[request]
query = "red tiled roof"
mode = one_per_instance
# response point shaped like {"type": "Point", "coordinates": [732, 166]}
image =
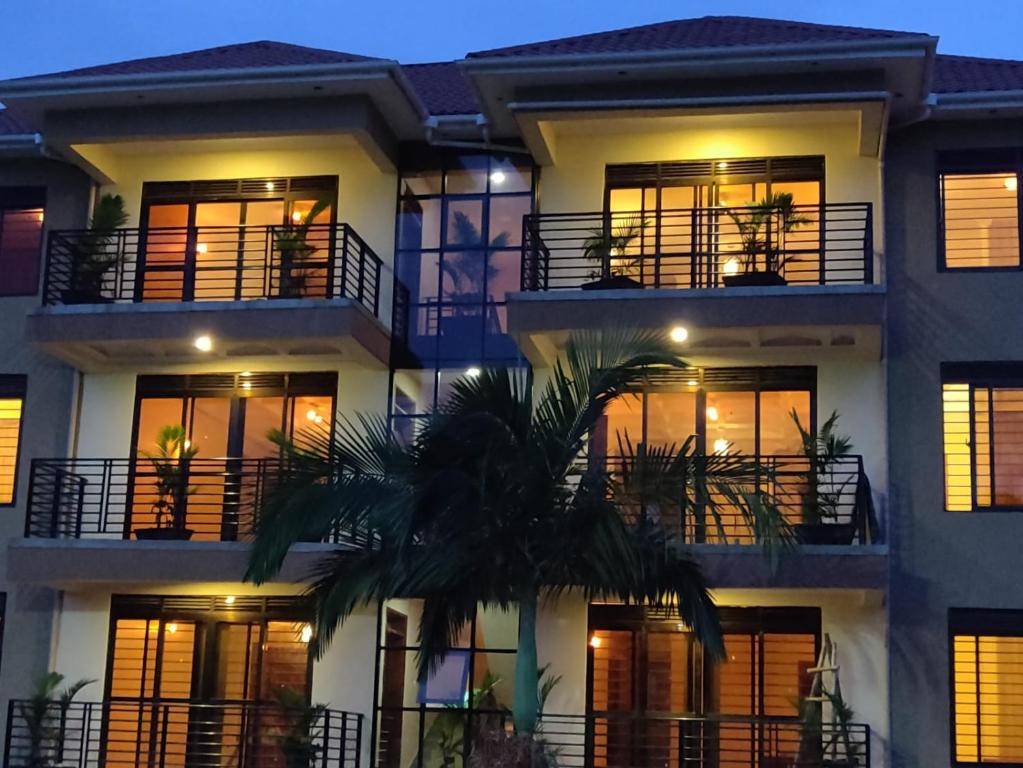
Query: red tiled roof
{"type": "Point", "coordinates": [264, 53]}
{"type": "Point", "coordinates": [442, 88]}
{"type": "Point", "coordinates": [962, 74]}
{"type": "Point", "coordinates": [705, 32]}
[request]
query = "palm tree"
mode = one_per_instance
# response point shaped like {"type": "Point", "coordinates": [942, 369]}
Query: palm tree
{"type": "Point", "coordinates": [493, 503]}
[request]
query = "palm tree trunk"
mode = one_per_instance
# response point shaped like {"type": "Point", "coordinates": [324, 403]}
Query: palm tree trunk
{"type": "Point", "coordinates": [525, 705]}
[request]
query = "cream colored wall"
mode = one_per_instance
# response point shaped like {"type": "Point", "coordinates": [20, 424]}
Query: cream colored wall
{"type": "Point", "coordinates": [576, 180]}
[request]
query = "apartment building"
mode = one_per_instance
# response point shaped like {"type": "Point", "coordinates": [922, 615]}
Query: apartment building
{"type": "Point", "coordinates": [825, 219]}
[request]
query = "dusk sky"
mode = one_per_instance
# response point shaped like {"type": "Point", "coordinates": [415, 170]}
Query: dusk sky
{"type": "Point", "coordinates": [49, 35]}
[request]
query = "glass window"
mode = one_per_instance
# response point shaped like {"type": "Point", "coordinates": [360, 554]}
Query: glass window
{"type": "Point", "coordinates": [12, 401]}
{"type": "Point", "coordinates": [980, 219]}
{"type": "Point", "coordinates": [983, 444]}
{"type": "Point", "coordinates": [987, 676]}
{"type": "Point", "coordinates": [21, 237]}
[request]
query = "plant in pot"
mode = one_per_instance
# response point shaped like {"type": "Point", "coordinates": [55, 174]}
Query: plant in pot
{"type": "Point", "coordinates": [95, 252]}
{"type": "Point", "coordinates": [608, 248]}
{"type": "Point", "coordinates": [822, 497]}
{"type": "Point", "coordinates": [466, 275]}
{"type": "Point", "coordinates": [300, 731]}
{"type": "Point", "coordinates": [45, 718]}
{"type": "Point", "coordinates": [294, 251]}
{"type": "Point", "coordinates": [170, 461]}
{"type": "Point", "coordinates": [762, 229]}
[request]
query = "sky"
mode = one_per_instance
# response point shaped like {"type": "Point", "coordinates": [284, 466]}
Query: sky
{"type": "Point", "coordinates": [41, 36]}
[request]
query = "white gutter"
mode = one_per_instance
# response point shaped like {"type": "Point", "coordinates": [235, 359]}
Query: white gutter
{"type": "Point", "coordinates": [21, 143]}
{"type": "Point", "coordinates": [697, 101]}
{"type": "Point", "coordinates": [973, 100]}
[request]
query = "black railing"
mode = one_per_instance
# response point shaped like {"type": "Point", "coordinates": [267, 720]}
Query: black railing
{"type": "Point", "coordinates": [211, 264]}
{"type": "Point", "coordinates": [626, 740]}
{"type": "Point", "coordinates": [175, 734]}
{"type": "Point", "coordinates": [829, 244]}
{"type": "Point", "coordinates": [201, 499]}
{"type": "Point", "coordinates": [822, 503]}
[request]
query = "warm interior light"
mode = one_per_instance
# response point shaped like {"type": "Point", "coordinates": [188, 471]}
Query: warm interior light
{"type": "Point", "coordinates": [246, 373]}
{"type": "Point", "coordinates": [721, 445]}
{"type": "Point", "coordinates": [723, 164]}
{"type": "Point", "coordinates": [201, 248]}
{"type": "Point", "coordinates": [712, 413]}
{"type": "Point", "coordinates": [472, 371]}
{"type": "Point", "coordinates": [187, 444]}
{"type": "Point", "coordinates": [296, 217]}
{"type": "Point", "coordinates": [307, 633]}
{"type": "Point", "coordinates": [203, 343]}
{"type": "Point", "coordinates": [269, 186]}
{"type": "Point", "coordinates": [246, 385]}
{"type": "Point", "coordinates": [1011, 183]}
{"type": "Point", "coordinates": [497, 177]}
{"type": "Point", "coordinates": [229, 600]}
{"type": "Point", "coordinates": [731, 267]}
{"type": "Point", "coordinates": [678, 334]}
{"type": "Point", "coordinates": [595, 642]}
{"type": "Point", "coordinates": [172, 628]}
{"type": "Point", "coordinates": [311, 414]}
{"type": "Point", "coordinates": [691, 382]}
{"type": "Point", "coordinates": [41, 216]}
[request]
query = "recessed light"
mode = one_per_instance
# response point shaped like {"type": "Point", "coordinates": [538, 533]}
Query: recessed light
{"type": "Point", "coordinates": [269, 186]}
{"type": "Point", "coordinates": [497, 177]}
{"type": "Point", "coordinates": [472, 371]}
{"type": "Point", "coordinates": [678, 334]}
{"type": "Point", "coordinates": [203, 343]}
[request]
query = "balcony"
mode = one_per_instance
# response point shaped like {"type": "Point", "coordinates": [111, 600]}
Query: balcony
{"type": "Point", "coordinates": [737, 277]}
{"type": "Point", "coordinates": [144, 294]}
{"type": "Point", "coordinates": [119, 518]}
{"type": "Point", "coordinates": [161, 734]}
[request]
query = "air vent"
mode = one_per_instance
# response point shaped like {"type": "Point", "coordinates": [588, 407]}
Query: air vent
{"type": "Point", "coordinates": [178, 606]}
{"type": "Point", "coordinates": [720, 379]}
{"type": "Point", "coordinates": [239, 189]}
{"type": "Point", "coordinates": [231, 384]}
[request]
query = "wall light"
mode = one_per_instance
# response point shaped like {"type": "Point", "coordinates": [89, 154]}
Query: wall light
{"type": "Point", "coordinates": [172, 628]}
{"type": "Point", "coordinates": [678, 334]}
{"type": "Point", "coordinates": [307, 633]}
{"type": "Point", "coordinates": [472, 371]}
{"type": "Point", "coordinates": [1011, 183]}
{"type": "Point", "coordinates": [595, 642]}
{"type": "Point", "coordinates": [203, 343]}
{"type": "Point", "coordinates": [296, 217]}
{"type": "Point", "coordinates": [712, 413]}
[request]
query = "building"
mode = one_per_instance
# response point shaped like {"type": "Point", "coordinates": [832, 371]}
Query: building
{"type": "Point", "coordinates": [310, 232]}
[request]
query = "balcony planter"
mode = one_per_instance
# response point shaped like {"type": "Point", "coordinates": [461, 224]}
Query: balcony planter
{"type": "Point", "coordinates": [837, 534]}
{"type": "Point", "coordinates": [753, 279]}
{"type": "Point", "coordinates": [612, 283]}
{"type": "Point", "coordinates": [163, 534]}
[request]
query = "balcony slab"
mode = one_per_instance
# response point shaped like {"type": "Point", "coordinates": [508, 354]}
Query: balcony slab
{"type": "Point", "coordinates": [803, 567]}
{"type": "Point", "coordinates": [106, 337]}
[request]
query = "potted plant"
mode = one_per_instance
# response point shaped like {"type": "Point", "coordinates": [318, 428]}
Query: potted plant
{"type": "Point", "coordinates": [170, 462]}
{"type": "Point", "coordinates": [466, 275]}
{"type": "Point", "coordinates": [294, 251]}
{"type": "Point", "coordinates": [45, 719]}
{"type": "Point", "coordinates": [608, 247]}
{"type": "Point", "coordinates": [95, 252]}
{"type": "Point", "coordinates": [299, 735]}
{"type": "Point", "coordinates": [821, 499]}
{"type": "Point", "coordinates": [762, 229]}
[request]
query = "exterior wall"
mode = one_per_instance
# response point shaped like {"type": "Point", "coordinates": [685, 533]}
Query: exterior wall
{"type": "Point", "coordinates": [44, 431]}
{"type": "Point", "coordinates": [940, 559]}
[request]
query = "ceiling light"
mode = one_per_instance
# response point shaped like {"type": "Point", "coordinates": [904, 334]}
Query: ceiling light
{"type": "Point", "coordinates": [296, 217]}
{"type": "Point", "coordinates": [203, 343]}
{"type": "Point", "coordinates": [678, 334]}
{"type": "Point", "coordinates": [269, 186]}
{"type": "Point", "coordinates": [246, 373]}
{"type": "Point", "coordinates": [712, 413]}
{"type": "Point", "coordinates": [691, 382]}
{"type": "Point", "coordinates": [497, 177]}
{"type": "Point", "coordinates": [229, 600]}
{"type": "Point", "coordinates": [721, 445]}
{"type": "Point", "coordinates": [311, 414]}
{"type": "Point", "coordinates": [1011, 183]}
{"type": "Point", "coordinates": [595, 642]}
{"type": "Point", "coordinates": [307, 633]}
{"type": "Point", "coordinates": [472, 371]}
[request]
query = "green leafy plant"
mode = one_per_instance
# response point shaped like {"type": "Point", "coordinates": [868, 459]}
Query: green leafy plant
{"type": "Point", "coordinates": [45, 718]}
{"type": "Point", "coordinates": [293, 249]}
{"type": "Point", "coordinates": [762, 228]}
{"type": "Point", "coordinates": [608, 247]}
{"type": "Point", "coordinates": [822, 498]}
{"type": "Point", "coordinates": [491, 505]}
{"type": "Point", "coordinates": [300, 732]}
{"type": "Point", "coordinates": [95, 252]}
{"type": "Point", "coordinates": [171, 465]}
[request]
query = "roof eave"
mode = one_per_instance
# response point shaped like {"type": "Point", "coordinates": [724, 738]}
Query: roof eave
{"type": "Point", "coordinates": [979, 100]}
{"type": "Point", "coordinates": [21, 144]}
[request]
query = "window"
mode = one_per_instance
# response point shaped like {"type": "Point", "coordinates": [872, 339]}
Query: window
{"type": "Point", "coordinates": [980, 222]}
{"type": "Point", "coordinates": [986, 649]}
{"type": "Point", "coordinates": [982, 409]}
{"type": "Point", "coordinates": [12, 399]}
{"type": "Point", "coordinates": [21, 236]}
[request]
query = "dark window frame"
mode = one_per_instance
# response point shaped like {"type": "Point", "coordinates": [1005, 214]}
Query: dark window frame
{"type": "Point", "coordinates": [974, 622]}
{"type": "Point", "coordinates": [15, 386]}
{"type": "Point", "coordinates": [975, 161]}
{"type": "Point", "coordinates": [19, 199]}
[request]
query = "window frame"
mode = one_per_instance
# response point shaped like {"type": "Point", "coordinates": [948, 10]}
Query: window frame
{"type": "Point", "coordinates": [985, 375]}
{"type": "Point", "coordinates": [975, 622]}
{"type": "Point", "coordinates": [976, 161]}
{"type": "Point", "coordinates": [25, 198]}
{"type": "Point", "coordinates": [15, 387]}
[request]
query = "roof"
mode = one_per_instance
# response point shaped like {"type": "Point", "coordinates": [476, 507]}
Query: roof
{"type": "Point", "coordinates": [964, 74]}
{"type": "Point", "coordinates": [442, 88]}
{"type": "Point", "coordinates": [260, 54]}
{"type": "Point", "coordinates": [704, 32]}
{"type": "Point", "coordinates": [11, 125]}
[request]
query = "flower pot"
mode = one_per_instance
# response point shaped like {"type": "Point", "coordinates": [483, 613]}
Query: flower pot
{"type": "Point", "coordinates": [753, 279]}
{"type": "Point", "coordinates": [163, 534]}
{"type": "Point", "coordinates": [80, 296]}
{"type": "Point", "coordinates": [612, 283]}
{"type": "Point", "coordinates": [838, 534]}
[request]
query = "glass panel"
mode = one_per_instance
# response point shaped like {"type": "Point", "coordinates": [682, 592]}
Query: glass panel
{"type": "Point", "coordinates": [667, 672]}
{"type": "Point", "coordinates": [956, 428]}
{"type": "Point", "coordinates": [966, 699]}
{"type": "Point", "coordinates": [624, 424]}
{"type": "Point", "coordinates": [981, 220]}
{"type": "Point", "coordinates": [1007, 407]}
{"type": "Point", "coordinates": [468, 175]}
{"type": "Point", "coordinates": [312, 412]}
{"type": "Point", "coordinates": [166, 244]}
{"type": "Point", "coordinates": [463, 276]}
{"type": "Point", "coordinates": [262, 414]}
{"type": "Point", "coordinates": [503, 274]}
{"type": "Point", "coordinates": [612, 670]}
{"type": "Point", "coordinates": [10, 429]}
{"type": "Point", "coordinates": [988, 674]}
{"type": "Point", "coordinates": [778, 433]}
{"type": "Point", "coordinates": [464, 223]}
{"type": "Point", "coordinates": [312, 278]}
{"type": "Point", "coordinates": [981, 452]}
{"type": "Point", "coordinates": [671, 418]}
{"type": "Point", "coordinates": [208, 434]}
{"type": "Point", "coordinates": [786, 680]}
{"type": "Point", "coordinates": [505, 224]}
{"type": "Point", "coordinates": [627, 200]}
{"type": "Point", "coordinates": [237, 660]}
{"type": "Point", "coordinates": [731, 422]}
{"type": "Point", "coordinates": [505, 176]}
{"type": "Point", "coordinates": [419, 223]}
{"type": "Point", "coordinates": [21, 234]}
{"type": "Point", "coordinates": [285, 657]}
{"type": "Point", "coordinates": [734, 691]}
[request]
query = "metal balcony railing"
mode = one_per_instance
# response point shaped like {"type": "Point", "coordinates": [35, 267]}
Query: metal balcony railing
{"type": "Point", "coordinates": [200, 499]}
{"type": "Point", "coordinates": [175, 734]}
{"type": "Point", "coordinates": [211, 264]}
{"type": "Point", "coordinates": [828, 503]}
{"type": "Point", "coordinates": [829, 244]}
